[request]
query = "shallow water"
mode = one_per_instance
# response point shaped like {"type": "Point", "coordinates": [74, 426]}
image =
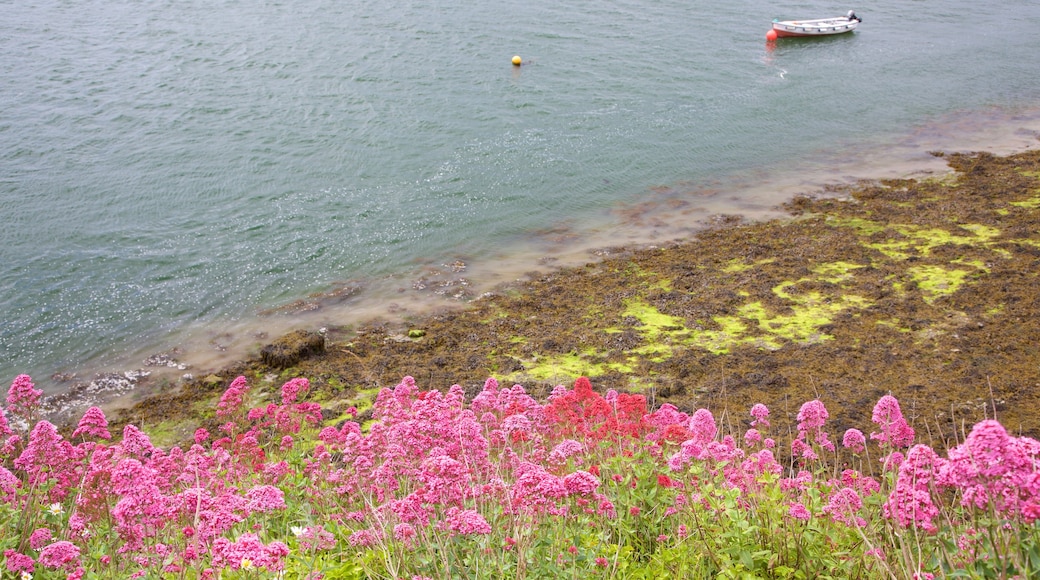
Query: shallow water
{"type": "Point", "coordinates": [172, 173]}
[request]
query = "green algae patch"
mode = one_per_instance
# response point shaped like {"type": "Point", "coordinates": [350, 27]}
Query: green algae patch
{"type": "Point", "coordinates": [569, 366]}
{"type": "Point", "coordinates": [908, 240]}
{"type": "Point", "coordinates": [737, 265]}
{"type": "Point", "coordinates": [658, 330]}
{"type": "Point", "coordinates": [653, 322]}
{"type": "Point", "coordinates": [808, 315]}
{"type": "Point", "coordinates": [1031, 203]}
{"type": "Point", "coordinates": [914, 240]}
{"type": "Point", "coordinates": [836, 272]}
{"type": "Point", "coordinates": [935, 282]}
{"type": "Point", "coordinates": [731, 333]}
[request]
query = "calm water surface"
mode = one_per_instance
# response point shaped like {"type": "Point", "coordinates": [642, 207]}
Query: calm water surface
{"type": "Point", "coordinates": [171, 171]}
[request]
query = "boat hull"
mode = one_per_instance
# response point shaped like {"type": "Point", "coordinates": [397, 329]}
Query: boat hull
{"type": "Point", "coordinates": [823, 27]}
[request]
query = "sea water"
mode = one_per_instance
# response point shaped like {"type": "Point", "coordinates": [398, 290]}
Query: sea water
{"type": "Point", "coordinates": [192, 177]}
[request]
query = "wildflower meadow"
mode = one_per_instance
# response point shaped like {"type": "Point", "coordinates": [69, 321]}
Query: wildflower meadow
{"type": "Point", "coordinates": [581, 485]}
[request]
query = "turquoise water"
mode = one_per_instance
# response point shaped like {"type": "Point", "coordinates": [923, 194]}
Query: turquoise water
{"type": "Point", "coordinates": [172, 170]}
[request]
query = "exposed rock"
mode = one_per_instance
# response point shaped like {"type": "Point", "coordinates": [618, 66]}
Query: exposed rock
{"type": "Point", "coordinates": [290, 349]}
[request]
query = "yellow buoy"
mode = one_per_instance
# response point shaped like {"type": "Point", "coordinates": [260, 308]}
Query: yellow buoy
{"type": "Point", "coordinates": [517, 60]}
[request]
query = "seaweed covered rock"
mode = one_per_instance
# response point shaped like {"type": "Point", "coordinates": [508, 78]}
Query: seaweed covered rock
{"type": "Point", "coordinates": [290, 349]}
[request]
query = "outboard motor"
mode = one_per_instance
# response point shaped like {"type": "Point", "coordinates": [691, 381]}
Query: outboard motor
{"type": "Point", "coordinates": [852, 16]}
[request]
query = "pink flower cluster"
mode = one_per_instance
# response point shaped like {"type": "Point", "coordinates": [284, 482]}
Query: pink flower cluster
{"type": "Point", "coordinates": [895, 431]}
{"type": "Point", "coordinates": [148, 495]}
{"type": "Point", "coordinates": [431, 465]}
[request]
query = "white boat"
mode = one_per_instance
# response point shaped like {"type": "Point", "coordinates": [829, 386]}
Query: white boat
{"type": "Point", "coordinates": [819, 27]}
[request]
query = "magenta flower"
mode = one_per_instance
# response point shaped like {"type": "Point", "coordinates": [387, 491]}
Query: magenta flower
{"type": "Point", "coordinates": [233, 398]}
{"type": "Point", "coordinates": [993, 468]}
{"type": "Point", "coordinates": [23, 398]}
{"type": "Point", "coordinates": [404, 533]}
{"type": "Point", "coordinates": [564, 450]}
{"type": "Point", "coordinates": [314, 538]}
{"type": "Point", "coordinates": [9, 485]}
{"type": "Point", "coordinates": [93, 424]}
{"type": "Point", "coordinates": [18, 562]}
{"type": "Point", "coordinates": [702, 425]}
{"type": "Point", "coordinates": [843, 506]}
{"type": "Point", "coordinates": [5, 427]}
{"type": "Point", "coordinates": [40, 538]}
{"type": "Point", "coordinates": [761, 415]}
{"type": "Point", "coordinates": [249, 552]}
{"type": "Point", "coordinates": [294, 389]}
{"type": "Point", "coordinates": [46, 456]}
{"type": "Point", "coordinates": [265, 498]}
{"type": "Point", "coordinates": [60, 555]}
{"type": "Point", "coordinates": [811, 418]}
{"type": "Point", "coordinates": [465, 522]}
{"type": "Point", "coordinates": [798, 511]}
{"type": "Point", "coordinates": [895, 431]}
{"type": "Point", "coordinates": [135, 443]}
{"type": "Point", "coordinates": [363, 538]}
{"type": "Point", "coordinates": [581, 482]}
{"type": "Point", "coordinates": [910, 502]}
{"type": "Point", "coordinates": [854, 441]}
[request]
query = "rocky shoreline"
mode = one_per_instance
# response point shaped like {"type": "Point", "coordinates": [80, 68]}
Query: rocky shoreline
{"type": "Point", "coordinates": [925, 289]}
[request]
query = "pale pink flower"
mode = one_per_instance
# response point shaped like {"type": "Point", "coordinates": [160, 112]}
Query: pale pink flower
{"type": "Point", "coordinates": [752, 437]}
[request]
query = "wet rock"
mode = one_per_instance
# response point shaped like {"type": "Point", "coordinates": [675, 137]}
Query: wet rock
{"type": "Point", "coordinates": [290, 349]}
